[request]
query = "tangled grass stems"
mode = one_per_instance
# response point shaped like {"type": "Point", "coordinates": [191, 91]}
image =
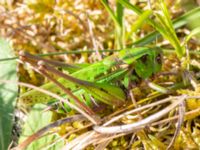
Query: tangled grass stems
{"type": "Point", "coordinates": [140, 124]}
{"type": "Point", "coordinates": [137, 110]}
{"type": "Point", "coordinates": [99, 138]}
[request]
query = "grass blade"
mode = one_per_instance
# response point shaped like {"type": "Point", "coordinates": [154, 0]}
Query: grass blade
{"type": "Point", "coordinates": [111, 13]}
{"type": "Point", "coordinates": [139, 22]}
{"type": "Point", "coordinates": [8, 94]}
{"type": "Point", "coordinates": [167, 30]}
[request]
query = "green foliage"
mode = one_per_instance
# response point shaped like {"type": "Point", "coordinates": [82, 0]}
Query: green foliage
{"type": "Point", "coordinates": [35, 121]}
{"type": "Point", "coordinates": [164, 24]}
{"type": "Point", "coordinates": [8, 94]}
{"type": "Point", "coordinates": [186, 18]}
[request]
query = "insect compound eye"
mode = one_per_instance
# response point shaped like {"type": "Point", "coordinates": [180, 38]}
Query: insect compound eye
{"type": "Point", "coordinates": [159, 58]}
{"type": "Point", "coordinates": [144, 58]}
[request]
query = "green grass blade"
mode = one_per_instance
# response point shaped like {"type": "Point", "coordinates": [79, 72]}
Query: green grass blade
{"type": "Point", "coordinates": [117, 17]}
{"type": "Point", "coordinates": [177, 22]}
{"type": "Point", "coordinates": [194, 32]}
{"type": "Point", "coordinates": [120, 14]}
{"type": "Point", "coordinates": [169, 34]}
{"type": "Point", "coordinates": [167, 30]}
{"type": "Point", "coordinates": [128, 5]}
{"type": "Point", "coordinates": [8, 94]}
{"type": "Point", "coordinates": [120, 30]}
{"type": "Point", "coordinates": [111, 13]}
{"type": "Point", "coordinates": [139, 22]}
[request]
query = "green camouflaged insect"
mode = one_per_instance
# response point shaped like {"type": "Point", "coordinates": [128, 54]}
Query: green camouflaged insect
{"type": "Point", "coordinates": [93, 80]}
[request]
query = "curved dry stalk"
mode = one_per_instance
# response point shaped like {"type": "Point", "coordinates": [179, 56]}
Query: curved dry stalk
{"type": "Point", "coordinates": [103, 145]}
{"type": "Point", "coordinates": [137, 110]}
{"type": "Point", "coordinates": [92, 37]}
{"type": "Point", "coordinates": [92, 138]}
{"type": "Point", "coordinates": [54, 96]}
{"type": "Point", "coordinates": [144, 107]}
{"type": "Point", "coordinates": [67, 134]}
{"type": "Point", "coordinates": [139, 114]}
{"type": "Point", "coordinates": [155, 95]}
{"type": "Point", "coordinates": [176, 117]}
{"type": "Point", "coordinates": [88, 138]}
{"type": "Point", "coordinates": [180, 122]}
{"type": "Point", "coordinates": [74, 142]}
{"type": "Point", "coordinates": [133, 117]}
{"type": "Point", "coordinates": [82, 142]}
{"type": "Point", "coordinates": [140, 124]}
{"type": "Point", "coordinates": [45, 129]}
{"type": "Point", "coordinates": [164, 128]}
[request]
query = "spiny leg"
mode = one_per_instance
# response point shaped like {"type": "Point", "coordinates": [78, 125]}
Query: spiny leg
{"type": "Point", "coordinates": [33, 60]}
{"type": "Point", "coordinates": [66, 90]}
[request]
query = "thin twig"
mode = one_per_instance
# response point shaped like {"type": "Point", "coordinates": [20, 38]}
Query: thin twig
{"type": "Point", "coordinates": [93, 39]}
{"type": "Point", "coordinates": [137, 110]}
{"type": "Point", "coordinates": [135, 103]}
{"type": "Point", "coordinates": [140, 124]}
{"type": "Point", "coordinates": [187, 114]}
{"type": "Point", "coordinates": [180, 122]}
